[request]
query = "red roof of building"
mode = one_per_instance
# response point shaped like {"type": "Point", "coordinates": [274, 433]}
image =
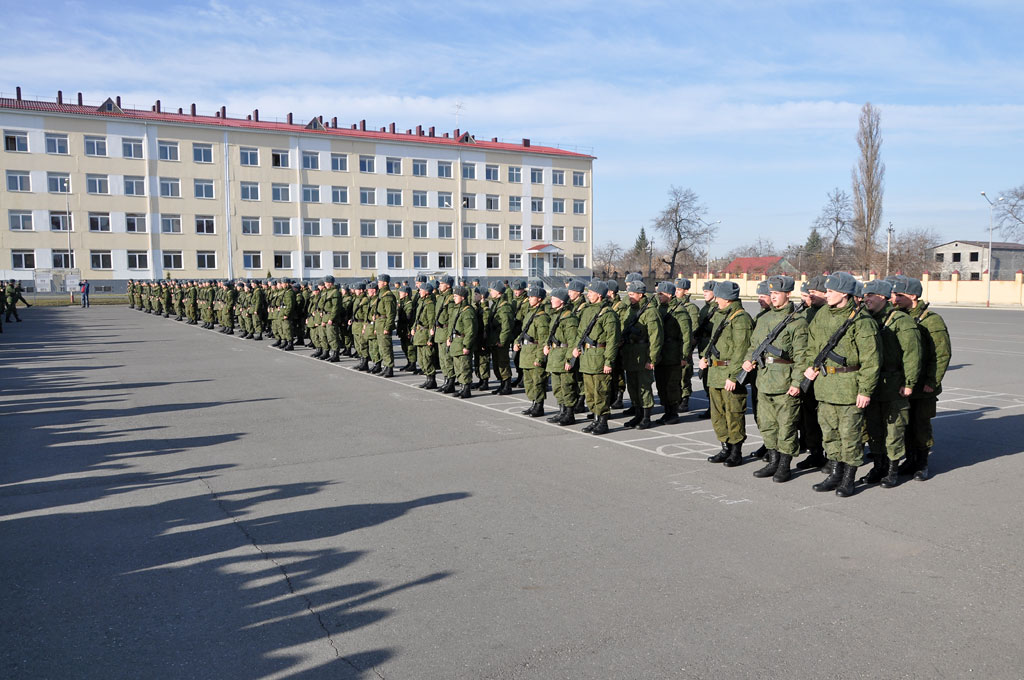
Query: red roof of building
{"type": "Point", "coordinates": [274, 126]}
{"type": "Point", "coordinates": [751, 265]}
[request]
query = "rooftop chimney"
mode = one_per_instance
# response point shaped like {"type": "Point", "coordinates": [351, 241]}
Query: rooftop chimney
{"type": "Point", "coordinates": [382, 128]}
{"type": "Point", "coordinates": [408, 132]}
{"type": "Point", "coordinates": [157, 106]}
{"type": "Point", "coordinates": [446, 135]}
{"type": "Point", "coordinates": [456, 135]}
{"type": "Point", "coordinates": [60, 97]}
{"type": "Point", "coordinates": [289, 118]}
{"type": "Point", "coordinates": [223, 112]}
{"type": "Point", "coordinates": [526, 142]}
{"type": "Point", "coordinates": [391, 128]}
{"type": "Point", "coordinates": [353, 126]}
{"type": "Point", "coordinates": [17, 92]}
{"type": "Point", "coordinates": [494, 139]}
{"type": "Point", "coordinates": [334, 122]}
{"type": "Point", "coordinates": [419, 130]}
{"type": "Point", "coordinates": [430, 132]}
{"type": "Point", "coordinates": [255, 114]}
{"type": "Point", "coordinates": [248, 117]}
{"type": "Point", "coordinates": [117, 100]}
{"type": "Point", "coordinates": [180, 110]}
{"type": "Point", "coordinates": [192, 109]}
{"type": "Point", "coordinates": [79, 98]}
{"type": "Point", "coordinates": [362, 125]}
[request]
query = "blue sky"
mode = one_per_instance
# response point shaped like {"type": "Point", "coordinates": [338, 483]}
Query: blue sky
{"type": "Point", "coordinates": [753, 105]}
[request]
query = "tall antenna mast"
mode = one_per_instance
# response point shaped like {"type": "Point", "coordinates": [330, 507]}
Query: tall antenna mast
{"type": "Point", "coordinates": [459, 106]}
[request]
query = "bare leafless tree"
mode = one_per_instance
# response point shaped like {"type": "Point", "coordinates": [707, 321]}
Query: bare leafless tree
{"type": "Point", "coordinates": [868, 186]}
{"type": "Point", "coordinates": [1010, 214]}
{"type": "Point", "coordinates": [762, 247]}
{"type": "Point", "coordinates": [835, 223]}
{"type": "Point", "coordinates": [911, 251]}
{"type": "Point", "coordinates": [606, 258]}
{"type": "Point", "coordinates": [682, 227]}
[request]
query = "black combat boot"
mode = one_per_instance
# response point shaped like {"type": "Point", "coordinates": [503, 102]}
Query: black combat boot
{"type": "Point", "coordinates": [390, 373]}
{"type": "Point", "coordinates": [761, 453]}
{"type": "Point", "coordinates": [832, 481]}
{"type": "Point", "coordinates": [878, 470]}
{"type": "Point", "coordinates": [326, 356]}
{"type": "Point", "coordinates": [631, 411]}
{"type": "Point", "coordinates": [600, 425]}
{"type": "Point", "coordinates": [782, 472]}
{"type": "Point", "coordinates": [815, 460]}
{"type": "Point", "coordinates": [334, 358]}
{"type": "Point", "coordinates": [431, 382]}
{"type": "Point", "coordinates": [593, 422]}
{"type": "Point", "coordinates": [721, 455]}
{"type": "Point", "coordinates": [922, 466]}
{"type": "Point", "coordinates": [846, 485]}
{"type": "Point", "coordinates": [289, 347]}
{"type": "Point", "coordinates": [407, 367]}
{"type": "Point", "coordinates": [347, 352]}
{"type": "Point", "coordinates": [569, 418]}
{"type": "Point", "coordinates": [892, 477]}
{"type": "Point", "coordinates": [484, 385]}
{"type": "Point", "coordinates": [558, 416]}
{"type": "Point", "coordinates": [259, 337]}
{"type": "Point", "coordinates": [167, 316]}
{"type": "Point", "coordinates": [670, 417]}
{"type": "Point", "coordinates": [735, 455]}
{"type": "Point", "coordinates": [361, 366]}
{"type": "Point", "coordinates": [506, 387]}
{"type": "Point", "coordinates": [377, 368]}
{"type": "Point", "coordinates": [448, 387]}
{"type": "Point", "coordinates": [645, 419]}
{"type": "Point", "coordinates": [910, 464]}
{"type": "Point", "coordinates": [538, 409]}
{"type": "Point", "coordinates": [178, 318]}
{"type": "Point", "coordinates": [277, 343]}
{"type": "Point", "coordinates": [464, 393]}
{"type": "Point", "coordinates": [684, 405]}
{"type": "Point", "coordinates": [581, 404]}
{"type": "Point", "coordinates": [618, 400]}
{"type": "Point", "coordinates": [773, 465]}
{"type": "Point", "coordinates": [317, 353]}
{"type": "Point", "coordinates": [635, 420]}
{"type": "Point", "coordinates": [416, 370]}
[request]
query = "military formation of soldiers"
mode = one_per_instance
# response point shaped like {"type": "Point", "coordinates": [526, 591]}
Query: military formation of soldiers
{"type": "Point", "coordinates": [852, 364]}
{"type": "Point", "coordinates": [11, 294]}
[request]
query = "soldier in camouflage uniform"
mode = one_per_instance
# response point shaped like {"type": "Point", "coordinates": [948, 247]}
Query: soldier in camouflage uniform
{"type": "Point", "coordinates": [676, 351]}
{"type": "Point", "coordinates": [683, 301]}
{"type": "Point", "coordinates": [442, 322]}
{"type": "Point", "coordinates": [422, 338]}
{"type": "Point", "coordinates": [499, 331]}
{"type": "Point", "coordinates": [563, 329]}
{"type": "Point", "coordinates": [481, 352]}
{"type": "Point", "coordinates": [461, 338]}
{"type": "Point", "coordinates": [595, 348]}
{"type": "Point", "coordinates": [385, 312]}
{"type": "Point", "coordinates": [403, 326]}
{"type": "Point", "coordinates": [529, 344]}
{"type": "Point", "coordinates": [813, 296]}
{"type": "Point", "coordinates": [642, 337]}
{"type": "Point", "coordinates": [702, 333]}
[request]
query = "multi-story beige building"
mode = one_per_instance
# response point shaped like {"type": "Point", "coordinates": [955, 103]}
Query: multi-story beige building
{"type": "Point", "coordinates": [119, 193]}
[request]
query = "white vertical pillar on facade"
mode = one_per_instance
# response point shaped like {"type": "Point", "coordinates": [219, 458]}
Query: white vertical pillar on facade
{"type": "Point", "coordinates": [227, 208]}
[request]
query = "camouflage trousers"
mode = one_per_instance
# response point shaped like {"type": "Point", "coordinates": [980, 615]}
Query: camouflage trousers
{"type": "Point", "coordinates": [778, 417]}
{"type": "Point", "coordinates": [887, 428]}
{"type": "Point", "coordinates": [842, 432]}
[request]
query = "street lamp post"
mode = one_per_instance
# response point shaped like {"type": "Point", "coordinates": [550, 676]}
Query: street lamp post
{"type": "Point", "coordinates": [888, 247]}
{"type": "Point", "coordinates": [707, 263]}
{"type": "Point", "coordinates": [991, 224]}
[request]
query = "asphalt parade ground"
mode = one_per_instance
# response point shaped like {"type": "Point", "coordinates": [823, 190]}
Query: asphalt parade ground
{"type": "Point", "coordinates": [177, 503]}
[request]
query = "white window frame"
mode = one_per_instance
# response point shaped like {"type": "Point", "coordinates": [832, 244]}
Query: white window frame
{"type": "Point", "coordinates": [202, 153]}
{"type": "Point", "coordinates": [17, 139]}
{"type": "Point", "coordinates": [27, 259]}
{"type": "Point", "coordinates": [367, 196]}
{"type": "Point", "coordinates": [339, 162]}
{"type": "Point", "coordinates": [56, 144]}
{"type": "Point", "coordinates": [444, 230]}
{"type": "Point", "coordinates": [167, 150]}
{"type": "Point", "coordinates": [170, 187]}
{"type": "Point", "coordinates": [282, 259]}
{"type": "Point", "coordinates": [469, 171]}
{"type": "Point", "coordinates": [95, 146]}
{"type": "Point", "coordinates": [419, 230]}
{"type": "Point", "coordinates": [557, 233]}
{"type": "Point", "coordinates": [203, 188]}
{"type": "Point", "coordinates": [445, 260]}
{"type": "Point", "coordinates": [395, 229]}
{"type": "Point", "coordinates": [536, 175]}
{"type": "Point", "coordinates": [396, 260]}
{"type": "Point", "coordinates": [492, 261]}
{"type": "Point", "coordinates": [282, 226]}
{"type": "Point", "coordinates": [98, 185]}
{"type": "Point", "coordinates": [106, 261]}
{"type": "Point", "coordinates": [393, 166]}
{"type": "Point", "coordinates": [170, 224]}
{"type": "Point", "coordinates": [579, 179]}
{"type": "Point", "coordinates": [310, 160]}
{"type": "Point", "coordinates": [339, 195]}
{"type": "Point", "coordinates": [208, 221]}
{"type": "Point", "coordinates": [368, 228]}
{"type": "Point", "coordinates": [310, 193]}
{"type": "Point", "coordinates": [419, 167]}
{"type": "Point", "coordinates": [419, 261]}
{"type": "Point", "coordinates": [135, 223]}
{"type": "Point", "coordinates": [129, 147]}
{"type": "Point", "coordinates": [281, 193]}
{"type": "Point", "coordinates": [252, 259]}
{"type": "Point", "coordinates": [515, 232]}
{"type": "Point", "coordinates": [67, 259]}
{"type": "Point", "coordinates": [558, 206]}
{"type": "Point", "coordinates": [311, 226]}
{"type": "Point", "coordinates": [536, 204]}
{"type": "Point", "coordinates": [340, 259]}
{"type": "Point", "coordinates": [17, 219]}
{"type": "Point", "coordinates": [141, 258]}
{"type": "Point", "coordinates": [492, 232]}
{"type": "Point", "coordinates": [134, 185]}
{"type": "Point", "coordinates": [394, 198]}
{"type": "Point", "coordinates": [339, 227]}
{"type": "Point", "coordinates": [419, 199]}
{"type": "Point", "coordinates": [205, 257]}
{"type": "Point", "coordinates": [367, 259]}
{"type": "Point", "coordinates": [579, 261]}
{"type": "Point", "coordinates": [515, 260]}
{"type": "Point", "coordinates": [311, 259]}
{"type": "Point", "coordinates": [99, 222]}
{"type": "Point", "coordinates": [536, 232]}
{"type": "Point", "coordinates": [280, 158]}
{"type": "Point", "coordinates": [444, 169]}
{"type": "Point", "coordinates": [558, 177]}
{"type": "Point", "coordinates": [368, 164]}
{"type": "Point", "coordinates": [248, 222]}
{"type": "Point", "coordinates": [469, 261]}
{"type": "Point", "coordinates": [63, 219]}
{"type": "Point", "coordinates": [250, 191]}
{"type": "Point", "coordinates": [515, 174]}
{"type": "Point", "coordinates": [173, 259]}
{"type": "Point", "coordinates": [58, 183]}
{"type": "Point", "coordinates": [22, 180]}
{"type": "Point", "coordinates": [468, 230]}
{"type": "Point", "coordinates": [249, 157]}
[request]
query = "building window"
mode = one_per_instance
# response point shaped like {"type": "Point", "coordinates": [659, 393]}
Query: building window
{"type": "Point", "coordinates": [63, 259]}
{"type": "Point", "coordinates": [100, 259]}
{"type": "Point", "coordinates": [15, 141]}
{"type": "Point", "coordinates": [444, 169]}
{"type": "Point", "coordinates": [202, 153]}
{"type": "Point", "coordinates": [579, 234]}
{"type": "Point", "coordinates": [282, 260]}
{"type": "Point", "coordinates": [311, 260]}
{"type": "Point", "coordinates": [493, 232]}
{"type": "Point", "coordinates": [394, 229]}
{"type": "Point", "coordinates": [537, 175]}
{"type": "Point", "coordinates": [134, 186]}
{"type": "Point", "coordinates": [444, 230]}
{"type": "Point", "coordinates": [419, 230]}
{"type": "Point", "coordinates": [536, 233]}
{"type": "Point", "coordinates": [558, 205]}
{"type": "Point", "coordinates": [311, 227]}
{"type": "Point", "coordinates": [280, 193]}
{"type": "Point", "coordinates": [444, 261]}
{"type": "Point", "coordinates": [97, 184]}
{"type": "Point", "coordinates": [310, 193]}
{"type": "Point", "coordinates": [367, 196]}
{"type": "Point", "coordinates": [975, 276]}
{"type": "Point", "coordinates": [368, 260]}
{"type": "Point", "coordinates": [468, 231]}
{"type": "Point", "coordinates": [20, 220]}
{"type": "Point", "coordinates": [23, 259]}
{"type": "Point", "coordinates": [557, 233]}
{"type": "Point", "coordinates": [419, 260]}
{"type": "Point", "coordinates": [368, 228]}
{"type": "Point", "coordinates": [939, 257]}
{"type": "Point", "coordinates": [252, 259]}
{"type": "Point", "coordinates": [279, 158]}
{"type": "Point", "coordinates": [170, 224]}
{"type": "Point", "coordinates": [393, 166]}
{"type": "Point", "coordinates": [579, 261]}
{"type": "Point", "coordinates": [60, 221]}
{"type": "Point", "coordinates": [250, 191]}
{"type": "Point", "coordinates": [203, 188]}
{"type": "Point", "coordinates": [515, 260]}
{"type": "Point", "coordinates": [973, 257]}
{"type": "Point", "coordinates": [249, 156]}
{"type": "Point", "coordinates": [282, 226]}
{"type": "Point", "coordinates": [419, 199]}
{"type": "Point", "coordinates": [339, 227]}
{"type": "Point", "coordinates": [340, 259]}
{"type": "Point", "coordinates": [444, 199]}
{"type": "Point", "coordinates": [469, 201]}
{"type": "Point", "coordinates": [515, 232]}
{"type": "Point", "coordinates": [492, 261]}
{"type": "Point", "coordinates": [395, 261]}
{"type": "Point", "coordinates": [310, 160]}
{"type": "Point", "coordinates": [515, 204]}
{"type": "Point", "coordinates": [170, 187]}
{"type": "Point", "coordinates": [956, 257]}
{"type": "Point", "coordinates": [138, 259]}
{"type": "Point", "coordinates": [515, 174]}
{"type": "Point", "coordinates": [394, 197]}
{"type": "Point", "coordinates": [18, 180]}
{"type": "Point", "coordinates": [251, 225]}
{"type": "Point", "coordinates": [95, 146]}
{"type": "Point", "coordinates": [492, 202]}
{"type": "Point", "coordinates": [339, 194]}
{"type": "Point", "coordinates": [469, 171]}
{"type": "Point", "coordinates": [167, 151]}
{"type": "Point", "coordinates": [577, 179]}
{"type": "Point", "coordinates": [204, 224]}
{"type": "Point", "coordinates": [579, 207]}
{"type": "Point", "coordinates": [537, 205]}
{"type": "Point", "coordinates": [57, 144]}
{"type": "Point", "coordinates": [339, 162]}
{"type": "Point", "coordinates": [206, 259]}
{"type": "Point", "coordinates": [557, 261]}
{"type": "Point", "coordinates": [58, 183]}
{"type": "Point", "coordinates": [469, 260]}
{"type": "Point", "coordinates": [419, 168]}
{"type": "Point", "coordinates": [367, 164]}
{"type": "Point", "coordinates": [131, 148]}
{"type": "Point", "coordinates": [558, 177]}
{"type": "Point", "coordinates": [99, 221]}
{"type": "Point", "coordinates": [173, 259]}
{"type": "Point", "coordinates": [491, 173]}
